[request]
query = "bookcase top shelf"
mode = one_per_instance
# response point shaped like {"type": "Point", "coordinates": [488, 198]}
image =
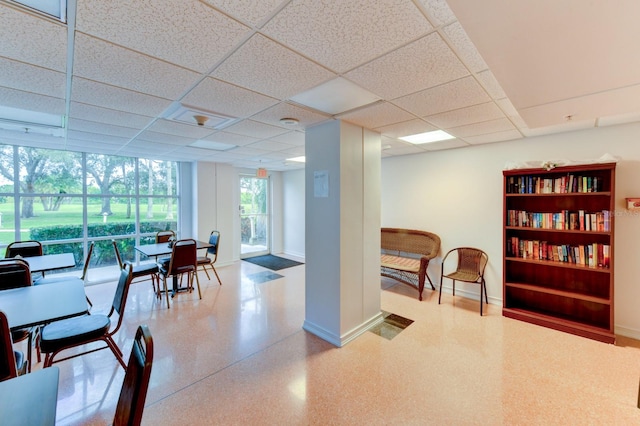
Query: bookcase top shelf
{"type": "Point", "coordinates": [561, 194]}
{"type": "Point", "coordinates": [560, 169]}
{"type": "Point", "coordinates": [559, 264]}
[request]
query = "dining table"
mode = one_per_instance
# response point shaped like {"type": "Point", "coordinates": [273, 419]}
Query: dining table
{"type": "Point", "coordinates": [163, 249]}
{"type": "Point", "coordinates": [41, 304]}
{"type": "Point", "coordinates": [50, 262]}
{"type": "Point", "coordinates": [30, 399]}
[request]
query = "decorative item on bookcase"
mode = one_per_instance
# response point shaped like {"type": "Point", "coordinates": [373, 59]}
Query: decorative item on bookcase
{"type": "Point", "coordinates": [558, 246]}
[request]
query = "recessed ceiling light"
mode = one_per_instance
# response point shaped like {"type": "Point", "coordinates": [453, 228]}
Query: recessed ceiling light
{"type": "Point", "coordinates": [336, 96]}
{"type": "Point", "coordinates": [300, 159]}
{"type": "Point", "coordinates": [435, 136]}
{"type": "Point", "coordinates": [288, 121]}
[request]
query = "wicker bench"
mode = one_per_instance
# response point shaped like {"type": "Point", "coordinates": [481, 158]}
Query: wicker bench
{"type": "Point", "coordinates": [405, 256]}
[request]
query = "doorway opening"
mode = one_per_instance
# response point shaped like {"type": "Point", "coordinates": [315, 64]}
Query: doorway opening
{"type": "Point", "coordinates": [254, 217]}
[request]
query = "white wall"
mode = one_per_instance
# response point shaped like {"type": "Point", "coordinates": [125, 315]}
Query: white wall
{"type": "Point", "coordinates": [457, 194]}
{"type": "Point", "coordinates": [293, 212]}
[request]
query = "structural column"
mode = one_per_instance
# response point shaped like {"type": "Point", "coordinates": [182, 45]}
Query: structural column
{"type": "Point", "coordinates": [342, 253]}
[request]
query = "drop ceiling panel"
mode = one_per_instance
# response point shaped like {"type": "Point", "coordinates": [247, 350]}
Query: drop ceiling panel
{"type": "Point", "coordinates": [406, 128]}
{"type": "Point", "coordinates": [483, 128]}
{"type": "Point", "coordinates": [290, 138]}
{"type": "Point", "coordinates": [104, 62]}
{"type": "Point", "coordinates": [31, 101]}
{"type": "Point", "coordinates": [465, 48]}
{"type": "Point", "coordinates": [224, 98]}
{"type": "Point", "coordinates": [491, 85]}
{"type": "Point", "coordinates": [442, 145]}
{"type": "Point", "coordinates": [473, 114]}
{"type": "Point", "coordinates": [43, 81]}
{"type": "Point", "coordinates": [269, 145]}
{"type": "Point", "coordinates": [101, 128]}
{"type": "Point", "coordinates": [31, 39]}
{"type": "Point", "coordinates": [95, 137]}
{"type": "Point", "coordinates": [346, 37]}
{"type": "Point", "coordinates": [231, 138]}
{"type": "Point", "coordinates": [255, 129]}
{"type": "Point", "coordinates": [108, 116]}
{"type": "Point", "coordinates": [178, 129]}
{"type": "Point", "coordinates": [506, 135]}
{"type": "Point", "coordinates": [377, 115]}
{"type": "Point", "coordinates": [94, 148]}
{"type": "Point", "coordinates": [102, 95]}
{"type": "Point", "coordinates": [438, 11]}
{"type": "Point", "coordinates": [261, 65]}
{"type": "Point", "coordinates": [456, 94]}
{"type": "Point", "coordinates": [284, 109]}
{"type": "Point", "coordinates": [164, 138]}
{"type": "Point", "coordinates": [424, 63]}
{"type": "Point", "coordinates": [250, 12]}
{"type": "Point", "coordinates": [184, 32]}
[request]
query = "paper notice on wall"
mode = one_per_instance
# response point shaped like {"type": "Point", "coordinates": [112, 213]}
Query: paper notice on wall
{"type": "Point", "coordinates": [321, 184]}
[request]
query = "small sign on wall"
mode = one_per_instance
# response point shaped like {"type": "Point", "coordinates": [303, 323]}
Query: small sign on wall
{"type": "Point", "coordinates": [320, 183]}
{"type": "Point", "coordinates": [633, 203]}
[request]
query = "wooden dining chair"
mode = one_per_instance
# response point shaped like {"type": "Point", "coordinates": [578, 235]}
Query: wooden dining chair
{"type": "Point", "coordinates": [12, 362]}
{"type": "Point", "coordinates": [15, 273]}
{"type": "Point", "coordinates": [183, 260]}
{"type": "Point", "coordinates": [211, 255]}
{"type": "Point", "coordinates": [136, 380]}
{"type": "Point", "coordinates": [24, 248]}
{"type": "Point", "coordinates": [57, 336]}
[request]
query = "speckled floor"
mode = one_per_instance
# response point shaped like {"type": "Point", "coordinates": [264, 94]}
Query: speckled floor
{"type": "Point", "coordinates": [239, 356]}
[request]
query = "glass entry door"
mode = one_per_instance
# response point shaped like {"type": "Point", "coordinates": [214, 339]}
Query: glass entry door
{"type": "Point", "coordinates": [254, 216]}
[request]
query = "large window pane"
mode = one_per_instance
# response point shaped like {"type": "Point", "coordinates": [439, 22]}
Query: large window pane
{"type": "Point", "coordinates": [110, 216]}
{"type": "Point", "coordinates": [157, 177]}
{"type": "Point", "coordinates": [158, 214]}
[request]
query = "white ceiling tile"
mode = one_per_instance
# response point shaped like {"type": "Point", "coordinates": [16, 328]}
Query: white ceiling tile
{"type": "Point", "coordinates": [506, 135]}
{"type": "Point", "coordinates": [304, 116]}
{"type": "Point", "coordinates": [95, 137]}
{"type": "Point", "coordinates": [456, 94]}
{"type": "Point", "coordinates": [178, 129]}
{"type": "Point", "coordinates": [184, 32]}
{"type": "Point", "coordinates": [489, 82]}
{"type": "Point", "coordinates": [346, 37]}
{"type": "Point", "coordinates": [475, 129]}
{"type": "Point", "coordinates": [247, 151]}
{"type": "Point", "coordinates": [101, 128]}
{"type": "Point", "coordinates": [269, 68]}
{"type": "Point", "coordinates": [31, 101]}
{"type": "Point", "coordinates": [249, 12]}
{"type": "Point", "coordinates": [231, 138]}
{"type": "Point", "coordinates": [255, 129]}
{"type": "Point", "coordinates": [559, 128]}
{"type": "Point", "coordinates": [165, 138]}
{"type": "Point", "coordinates": [269, 145]}
{"type": "Point", "coordinates": [473, 114]}
{"type": "Point", "coordinates": [290, 138]}
{"type": "Point", "coordinates": [108, 116]}
{"type": "Point", "coordinates": [377, 115]}
{"type": "Point", "coordinates": [29, 78]}
{"type": "Point", "coordinates": [448, 144]}
{"type": "Point", "coordinates": [102, 95]}
{"type": "Point", "coordinates": [424, 63]}
{"type": "Point", "coordinates": [93, 147]}
{"type": "Point", "coordinates": [29, 38]}
{"type": "Point", "coordinates": [224, 98]}
{"type": "Point", "coordinates": [403, 150]}
{"type": "Point", "coordinates": [438, 11]}
{"type": "Point", "coordinates": [465, 48]}
{"type": "Point", "coordinates": [104, 62]}
{"type": "Point", "coordinates": [406, 128]}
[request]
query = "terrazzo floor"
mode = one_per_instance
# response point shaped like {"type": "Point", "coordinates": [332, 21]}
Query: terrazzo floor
{"type": "Point", "coordinates": [240, 356]}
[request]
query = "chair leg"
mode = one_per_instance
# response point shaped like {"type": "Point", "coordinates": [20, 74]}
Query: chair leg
{"type": "Point", "coordinates": [89, 302]}
{"type": "Point", "coordinates": [481, 301]}
{"type": "Point", "coordinates": [440, 291]}
{"type": "Point", "coordinates": [216, 272]}
{"type": "Point", "coordinates": [166, 291]}
{"type": "Point", "coordinates": [116, 351]}
{"type": "Point", "coordinates": [204, 268]}
{"type": "Point", "coordinates": [197, 283]}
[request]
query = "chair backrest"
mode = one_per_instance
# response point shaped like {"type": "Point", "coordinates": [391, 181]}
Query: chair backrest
{"type": "Point", "coordinates": [214, 240]}
{"type": "Point", "coordinates": [472, 260]}
{"type": "Point", "coordinates": [120, 296]}
{"type": "Point", "coordinates": [85, 268]}
{"type": "Point", "coordinates": [14, 273]}
{"type": "Point", "coordinates": [164, 236]}
{"type": "Point", "coordinates": [24, 248]}
{"type": "Point", "coordinates": [8, 367]}
{"type": "Point", "coordinates": [117, 252]}
{"type": "Point", "coordinates": [136, 380]}
{"type": "Point", "coordinates": [184, 257]}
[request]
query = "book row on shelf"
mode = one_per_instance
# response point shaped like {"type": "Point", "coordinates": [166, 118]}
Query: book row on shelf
{"type": "Point", "coordinates": [529, 184]}
{"type": "Point", "coordinates": [563, 220]}
{"type": "Point", "coordinates": [591, 255]}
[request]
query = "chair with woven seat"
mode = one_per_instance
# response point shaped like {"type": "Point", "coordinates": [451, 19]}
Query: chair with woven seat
{"type": "Point", "coordinates": [136, 380]}
{"type": "Point", "coordinates": [59, 279]}
{"type": "Point", "coordinates": [12, 362]}
{"type": "Point", "coordinates": [15, 273]}
{"type": "Point", "coordinates": [77, 331]}
{"type": "Point", "coordinates": [183, 260]}
{"type": "Point", "coordinates": [211, 255]}
{"type": "Point", "coordinates": [144, 270]}
{"type": "Point", "coordinates": [471, 263]}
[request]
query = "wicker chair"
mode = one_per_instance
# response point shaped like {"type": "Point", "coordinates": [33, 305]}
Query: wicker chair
{"type": "Point", "coordinates": [470, 269]}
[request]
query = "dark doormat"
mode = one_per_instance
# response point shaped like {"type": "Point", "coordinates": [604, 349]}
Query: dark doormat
{"type": "Point", "coordinates": [275, 263]}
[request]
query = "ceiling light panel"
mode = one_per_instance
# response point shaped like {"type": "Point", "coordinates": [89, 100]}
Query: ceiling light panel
{"type": "Point", "coordinates": [336, 96]}
{"type": "Point", "coordinates": [428, 137]}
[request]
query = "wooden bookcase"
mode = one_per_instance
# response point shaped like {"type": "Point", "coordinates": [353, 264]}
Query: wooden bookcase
{"type": "Point", "coordinates": [558, 248]}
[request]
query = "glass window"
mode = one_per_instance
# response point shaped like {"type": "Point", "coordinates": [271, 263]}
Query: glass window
{"type": "Point", "coordinates": [158, 177]}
